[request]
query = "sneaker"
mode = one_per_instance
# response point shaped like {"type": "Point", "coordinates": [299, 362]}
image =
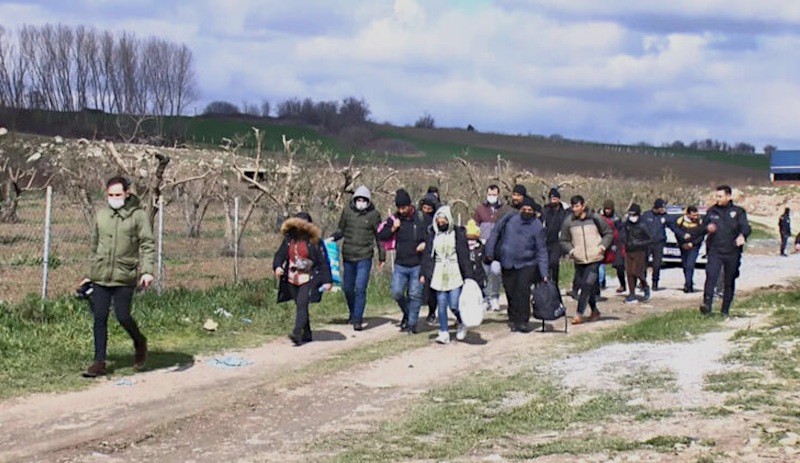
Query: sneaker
{"type": "Point", "coordinates": [495, 304]}
{"type": "Point", "coordinates": [431, 320]}
{"type": "Point", "coordinates": [296, 339]}
{"type": "Point", "coordinates": [95, 369]}
{"type": "Point", "coordinates": [577, 319]}
{"type": "Point", "coordinates": [647, 294]}
{"type": "Point", "coordinates": [705, 310]}
{"type": "Point", "coordinates": [358, 326]}
{"type": "Point", "coordinates": [443, 337]}
{"type": "Point", "coordinates": [620, 290]}
{"type": "Point", "coordinates": [403, 324]}
{"type": "Point", "coordinates": [595, 315]}
{"type": "Point", "coordinates": [461, 334]}
{"type": "Point", "coordinates": [631, 299]}
{"type": "Point", "coordinates": [140, 355]}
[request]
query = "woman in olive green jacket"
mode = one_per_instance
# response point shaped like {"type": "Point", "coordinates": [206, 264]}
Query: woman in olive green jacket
{"type": "Point", "coordinates": [122, 250]}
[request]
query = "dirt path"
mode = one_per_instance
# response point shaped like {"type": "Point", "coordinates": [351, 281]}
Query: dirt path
{"type": "Point", "coordinates": [253, 413]}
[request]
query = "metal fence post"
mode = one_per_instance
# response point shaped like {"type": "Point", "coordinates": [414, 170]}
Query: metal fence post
{"type": "Point", "coordinates": [159, 256]}
{"type": "Point", "coordinates": [236, 240]}
{"type": "Point", "coordinates": [46, 256]}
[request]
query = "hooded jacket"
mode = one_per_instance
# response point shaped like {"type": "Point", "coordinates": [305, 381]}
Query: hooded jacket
{"type": "Point", "coordinates": [730, 221]}
{"type": "Point", "coordinates": [359, 230]}
{"type": "Point", "coordinates": [586, 239]}
{"type": "Point", "coordinates": [519, 243]}
{"type": "Point", "coordinates": [122, 245]}
{"type": "Point", "coordinates": [298, 229]}
{"type": "Point", "coordinates": [462, 248]}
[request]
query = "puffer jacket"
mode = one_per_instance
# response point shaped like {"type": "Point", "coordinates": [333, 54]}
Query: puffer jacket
{"type": "Point", "coordinates": [586, 239]}
{"type": "Point", "coordinates": [122, 245]}
{"type": "Point", "coordinates": [360, 232]}
{"type": "Point", "coordinates": [295, 228]}
{"type": "Point", "coordinates": [637, 236]}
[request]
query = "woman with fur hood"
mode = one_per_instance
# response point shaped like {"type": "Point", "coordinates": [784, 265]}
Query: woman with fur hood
{"type": "Point", "coordinates": [301, 265]}
{"type": "Point", "coordinates": [445, 265]}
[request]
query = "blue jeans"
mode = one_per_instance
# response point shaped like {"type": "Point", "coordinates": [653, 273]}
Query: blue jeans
{"type": "Point", "coordinates": [688, 262]}
{"type": "Point", "coordinates": [407, 291]}
{"type": "Point", "coordinates": [492, 290]}
{"type": "Point", "coordinates": [354, 285]}
{"type": "Point", "coordinates": [446, 299]}
{"type": "Point", "coordinates": [601, 271]}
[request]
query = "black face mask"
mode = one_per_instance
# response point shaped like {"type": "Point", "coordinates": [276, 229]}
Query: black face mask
{"type": "Point", "coordinates": [442, 227]}
{"type": "Point", "coordinates": [526, 216]}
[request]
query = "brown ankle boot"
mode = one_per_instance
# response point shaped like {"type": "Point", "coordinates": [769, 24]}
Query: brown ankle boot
{"type": "Point", "coordinates": [96, 369]}
{"type": "Point", "coordinates": [140, 356]}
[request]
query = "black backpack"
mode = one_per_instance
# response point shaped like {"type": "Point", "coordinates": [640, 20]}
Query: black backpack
{"type": "Point", "coordinates": [547, 304]}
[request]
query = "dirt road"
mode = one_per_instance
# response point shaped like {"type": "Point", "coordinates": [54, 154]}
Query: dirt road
{"type": "Point", "coordinates": [286, 399]}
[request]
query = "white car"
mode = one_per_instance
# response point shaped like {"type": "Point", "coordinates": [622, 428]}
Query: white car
{"type": "Point", "coordinates": [672, 252]}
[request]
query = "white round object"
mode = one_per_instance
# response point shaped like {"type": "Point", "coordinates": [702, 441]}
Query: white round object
{"type": "Point", "coordinates": [470, 304]}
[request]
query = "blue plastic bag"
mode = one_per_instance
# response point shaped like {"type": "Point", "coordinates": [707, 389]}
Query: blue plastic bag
{"type": "Point", "coordinates": [333, 260]}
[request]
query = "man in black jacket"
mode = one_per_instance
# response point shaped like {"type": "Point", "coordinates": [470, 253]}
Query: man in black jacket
{"type": "Point", "coordinates": [553, 218]}
{"type": "Point", "coordinates": [727, 228]}
{"type": "Point", "coordinates": [409, 233]}
{"type": "Point", "coordinates": [785, 228]}
{"type": "Point", "coordinates": [656, 221]}
{"type": "Point", "coordinates": [428, 206]}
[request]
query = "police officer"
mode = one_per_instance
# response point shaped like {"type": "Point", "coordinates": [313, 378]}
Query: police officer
{"type": "Point", "coordinates": [727, 228]}
{"type": "Point", "coordinates": [656, 221]}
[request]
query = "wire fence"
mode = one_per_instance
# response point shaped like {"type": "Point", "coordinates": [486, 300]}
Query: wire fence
{"type": "Point", "coordinates": [184, 262]}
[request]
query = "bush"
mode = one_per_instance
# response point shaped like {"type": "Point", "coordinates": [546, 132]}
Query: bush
{"type": "Point", "coordinates": [221, 108]}
{"type": "Point", "coordinates": [425, 121]}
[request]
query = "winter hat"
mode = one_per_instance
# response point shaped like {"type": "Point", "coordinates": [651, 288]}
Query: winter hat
{"type": "Point", "coordinates": [554, 193]}
{"type": "Point", "coordinates": [472, 229]}
{"type": "Point", "coordinates": [658, 204]}
{"type": "Point", "coordinates": [402, 198]}
{"type": "Point", "coordinates": [520, 189]}
{"type": "Point", "coordinates": [305, 216]}
{"type": "Point", "coordinates": [635, 209]}
{"type": "Point", "coordinates": [429, 200]}
{"type": "Point", "coordinates": [608, 204]}
{"type": "Point", "coordinates": [433, 189]}
{"type": "Point", "coordinates": [528, 201]}
{"type": "Point", "coordinates": [363, 192]}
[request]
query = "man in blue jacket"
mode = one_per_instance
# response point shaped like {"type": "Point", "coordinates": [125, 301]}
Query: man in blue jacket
{"type": "Point", "coordinates": [518, 242]}
{"type": "Point", "coordinates": [656, 221]}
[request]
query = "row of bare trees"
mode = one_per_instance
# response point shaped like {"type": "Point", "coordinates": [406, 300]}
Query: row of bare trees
{"type": "Point", "coordinates": [65, 68]}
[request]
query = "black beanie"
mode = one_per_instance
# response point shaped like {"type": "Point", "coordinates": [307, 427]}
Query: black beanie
{"type": "Point", "coordinates": [554, 193]}
{"type": "Point", "coordinates": [635, 209]}
{"type": "Point", "coordinates": [304, 215]}
{"type": "Point", "coordinates": [520, 189]}
{"type": "Point", "coordinates": [402, 198]}
{"type": "Point", "coordinates": [528, 201]}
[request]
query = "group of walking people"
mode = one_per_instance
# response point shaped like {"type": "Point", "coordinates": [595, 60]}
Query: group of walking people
{"type": "Point", "coordinates": [516, 244]}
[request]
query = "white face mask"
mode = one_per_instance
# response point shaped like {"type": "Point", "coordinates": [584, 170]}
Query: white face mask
{"type": "Point", "coordinates": [361, 205]}
{"type": "Point", "coordinates": [116, 203]}
{"type": "Point", "coordinates": [491, 199]}
{"type": "Point", "coordinates": [633, 218]}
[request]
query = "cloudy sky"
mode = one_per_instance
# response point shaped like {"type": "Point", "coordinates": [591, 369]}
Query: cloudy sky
{"type": "Point", "coordinates": [611, 70]}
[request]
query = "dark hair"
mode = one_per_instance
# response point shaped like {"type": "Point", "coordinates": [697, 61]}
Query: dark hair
{"type": "Point", "coordinates": [577, 199]}
{"type": "Point", "coordinates": [725, 188]}
{"type": "Point", "coordinates": [493, 187]}
{"type": "Point", "coordinates": [118, 180]}
{"type": "Point", "coordinates": [433, 189]}
{"type": "Point", "coordinates": [691, 208]}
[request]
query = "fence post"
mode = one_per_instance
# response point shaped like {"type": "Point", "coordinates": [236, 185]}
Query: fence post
{"type": "Point", "coordinates": [236, 240]}
{"type": "Point", "coordinates": [159, 256]}
{"type": "Point", "coordinates": [46, 257]}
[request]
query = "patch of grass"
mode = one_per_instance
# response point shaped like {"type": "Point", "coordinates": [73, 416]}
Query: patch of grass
{"type": "Point", "coordinates": [44, 346]}
{"type": "Point", "coordinates": [595, 444]}
{"type": "Point", "coordinates": [730, 381]}
{"type": "Point", "coordinates": [453, 419]}
{"type": "Point", "coordinates": [712, 412]}
{"type": "Point", "coordinates": [647, 378]}
{"type": "Point", "coordinates": [653, 415]}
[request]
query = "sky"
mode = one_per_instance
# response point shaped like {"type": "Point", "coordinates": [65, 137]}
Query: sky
{"type": "Point", "coordinates": [609, 71]}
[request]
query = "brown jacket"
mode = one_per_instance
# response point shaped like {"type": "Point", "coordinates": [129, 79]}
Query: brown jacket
{"type": "Point", "coordinates": [586, 240]}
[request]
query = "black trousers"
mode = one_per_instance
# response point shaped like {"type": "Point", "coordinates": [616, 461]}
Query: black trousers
{"type": "Point", "coordinates": [586, 276]}
{"type": "Point", "coordinates": [728, 264]}
{"type": "Point", "coordinates": [657, 253]}
{"type": "Point", "coordinates": [102, 299]}
{"type": "Point", "coordinates": [554, 260]}
{"type": "Point", "coordinates": [784, 241]}
{"type": "Point", "coordinates": [517, 283]}
{"type": "Point", "coordinates": [302, 299]}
